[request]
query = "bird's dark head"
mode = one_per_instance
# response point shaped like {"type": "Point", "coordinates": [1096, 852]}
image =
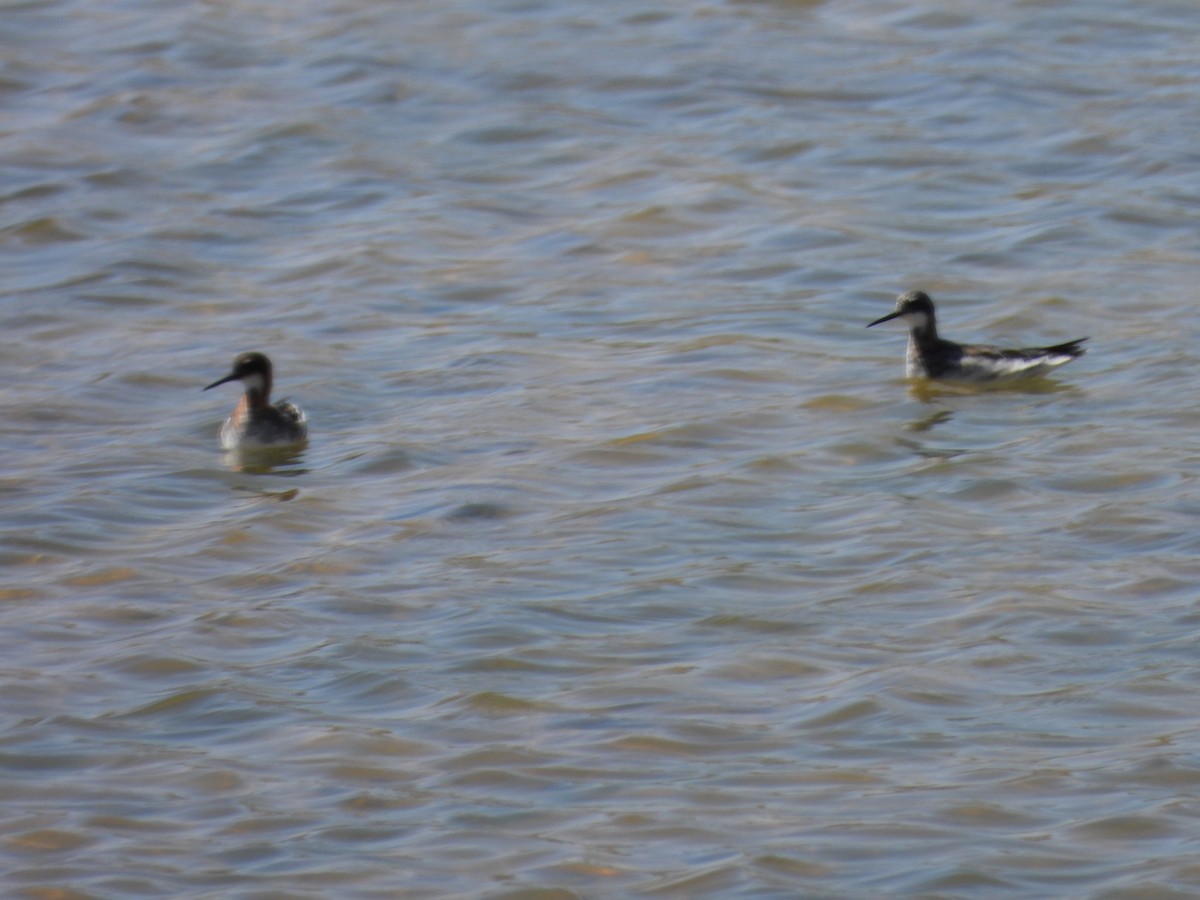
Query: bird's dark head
{"type": "Point", "coordinates": [914, 308]}
{"type": "Point", "coordinates": [252, 369]}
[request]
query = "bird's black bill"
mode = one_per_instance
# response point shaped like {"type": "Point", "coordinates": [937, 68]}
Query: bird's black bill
{"type": "Point", "coordinates": [886, 318]}
{"type": "Point", "coordinates": [229, 377]}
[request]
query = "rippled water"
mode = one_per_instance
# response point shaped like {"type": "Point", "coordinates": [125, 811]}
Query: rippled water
{"type": "Point", "coordinates": [622, 561]}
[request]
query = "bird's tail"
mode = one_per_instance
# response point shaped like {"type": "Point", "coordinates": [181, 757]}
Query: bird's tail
{"type": "Point", "coordinates": [1070, 348]}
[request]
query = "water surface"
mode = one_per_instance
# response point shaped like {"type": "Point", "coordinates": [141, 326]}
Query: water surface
{"type": "Point", "coordinates": [622, 561]}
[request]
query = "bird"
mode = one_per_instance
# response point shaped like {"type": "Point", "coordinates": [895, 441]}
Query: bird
{"type": "Point", "coordinates": [931, 356]}
{"type": "Point", "coordinates": [255, 423]}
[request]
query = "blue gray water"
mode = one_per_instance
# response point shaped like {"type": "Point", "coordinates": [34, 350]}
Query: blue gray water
{"type": "Point", "coordinates": [622, 560]}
